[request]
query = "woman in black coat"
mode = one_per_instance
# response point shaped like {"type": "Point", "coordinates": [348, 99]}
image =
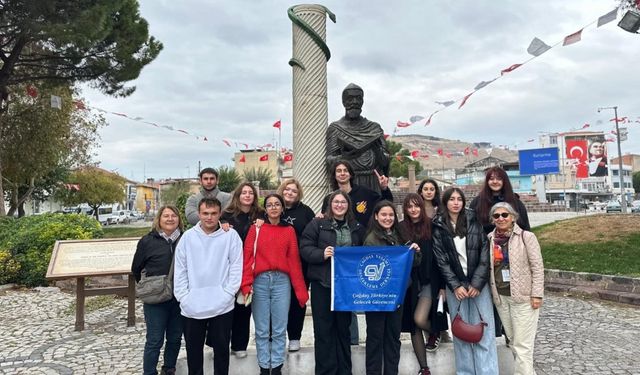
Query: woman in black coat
{"type": "Point", "coordinates": [154, 255]}
{"type": "Point", "coordinates": [421, 300]}
{"type": "Point", "coordinates": [461, 249]}
{"type": "Point", "coordinates": [330, 328]}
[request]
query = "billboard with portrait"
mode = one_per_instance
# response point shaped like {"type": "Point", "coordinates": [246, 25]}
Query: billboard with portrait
{"type": "Point", "coordinates": [588, 153]}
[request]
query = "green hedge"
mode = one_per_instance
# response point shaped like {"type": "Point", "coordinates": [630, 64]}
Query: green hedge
{"type": "Point", "coordinates": [26, 244]}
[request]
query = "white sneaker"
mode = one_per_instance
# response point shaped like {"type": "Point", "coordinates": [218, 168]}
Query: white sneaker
{"type": "Point", "coordinates": [294, 345]}
{"type": "Point", "coordinates": [240, 353]}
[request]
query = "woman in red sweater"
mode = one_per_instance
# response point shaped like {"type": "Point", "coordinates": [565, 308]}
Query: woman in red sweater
{"type": "Point", "coordinates": [271, 267]}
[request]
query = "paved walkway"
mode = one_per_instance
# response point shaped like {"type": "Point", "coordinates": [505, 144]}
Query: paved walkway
{"type": "Point", "coordinates": [575, 337]}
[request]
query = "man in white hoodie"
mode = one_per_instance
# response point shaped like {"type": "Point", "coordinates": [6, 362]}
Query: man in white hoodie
{"type": "Point", "coordinates": [207, 275]}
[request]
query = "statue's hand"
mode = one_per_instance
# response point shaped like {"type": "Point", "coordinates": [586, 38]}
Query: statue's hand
{"type": "Point", "coordinates": [382, 180]}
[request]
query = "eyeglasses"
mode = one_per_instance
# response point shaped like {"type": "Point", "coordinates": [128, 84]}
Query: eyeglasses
{"type": "Point", "coordinates": [273, 205]}
{"type": "Point", "coordinates": [339, 203]}
{"type": "Point", "coordinates": [504, 215]}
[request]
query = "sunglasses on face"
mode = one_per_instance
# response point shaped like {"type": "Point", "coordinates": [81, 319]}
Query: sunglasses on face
{"type": "Point", "coordinates": [504, 215]}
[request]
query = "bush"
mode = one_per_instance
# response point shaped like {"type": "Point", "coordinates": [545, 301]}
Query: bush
{"type": "Point", "coordinates": [9, 267]}
{"type": "Point", "coordinates": [31, 242]}
{"type": "Point", "coordinates": [181, 204]}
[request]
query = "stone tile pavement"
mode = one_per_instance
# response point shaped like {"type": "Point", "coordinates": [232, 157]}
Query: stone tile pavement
{"type": "Point", "coordinates": [575, 337]}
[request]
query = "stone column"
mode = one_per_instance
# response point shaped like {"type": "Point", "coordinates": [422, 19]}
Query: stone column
{"type": "Point", "coordinates": [412, 178]}
{"type": "Point", "coordinates": [310, 110]}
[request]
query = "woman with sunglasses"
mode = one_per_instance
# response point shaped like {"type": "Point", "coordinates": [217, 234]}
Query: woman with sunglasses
{"type": "Point", "coordinates": [517, 282]}
{"type": "Point", "coordinates": [271, 266]}
{"type": "Point", "coordinates": [462, 252]}
{"type": "Point", "coordinates": [330, 328]}
{"type": "Point", "coordinates": [497, 188]}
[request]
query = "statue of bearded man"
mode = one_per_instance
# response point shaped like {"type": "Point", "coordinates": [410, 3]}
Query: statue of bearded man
{"type": "Point", "coordinates": [359, 141]}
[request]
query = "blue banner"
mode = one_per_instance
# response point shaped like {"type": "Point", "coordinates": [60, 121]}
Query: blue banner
{"type": "Point", "coordinates": [369, 278]}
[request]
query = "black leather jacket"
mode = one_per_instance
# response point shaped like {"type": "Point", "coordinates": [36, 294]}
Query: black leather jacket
{"type": "Point", "coordinates": [319, 234]}
{"type": "Point", "coordinates": [447, 256]}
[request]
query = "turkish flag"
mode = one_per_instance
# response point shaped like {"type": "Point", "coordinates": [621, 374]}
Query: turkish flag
{"type": "Point", "coordinates": [277, 124]}
{"type": "Point", "coordinates": [32, 91]}
{"type": "Point", "coordinates": [577, 150]}
{"type": "Point", "coordinates": [264, 157]}
{"type": "Point", "coordinates": [475, 152]}
{"type": "Point", "coordinates": [242, 159]}
{"type": "Point", "coordinates": [467, 151]}
{"type": "Point", "coordinates": [415, 153]}
{"type": "Point", "coordinates": [440, 152]}
{"type": "Point", "coordinates": [401, 124]}
{"type": "Point", "coordinates": [288, 157]}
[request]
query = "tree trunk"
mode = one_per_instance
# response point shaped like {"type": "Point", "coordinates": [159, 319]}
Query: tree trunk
{"type": "Point", "coordinates": [20, 202]}
{"type": "Point", "coordinates": [21, 210]}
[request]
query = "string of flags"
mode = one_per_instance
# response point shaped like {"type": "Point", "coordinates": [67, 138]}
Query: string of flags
{"type": "Point", "coordinates": [536, 48]}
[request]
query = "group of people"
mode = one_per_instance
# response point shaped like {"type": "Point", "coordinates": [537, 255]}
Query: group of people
{"type": "Point", "coordinates": [240, 259]}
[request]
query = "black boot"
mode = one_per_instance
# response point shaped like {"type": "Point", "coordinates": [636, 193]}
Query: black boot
{"type": "Point", "coordinates": [276, 370]}
{"type": "Point", "coordinates": [264, 371]}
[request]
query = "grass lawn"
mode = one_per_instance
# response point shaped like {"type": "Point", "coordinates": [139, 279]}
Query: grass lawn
{"type": "Point", "coordinates": [121, 232]}
{"type": "Point", "coordinates": [606, 244]}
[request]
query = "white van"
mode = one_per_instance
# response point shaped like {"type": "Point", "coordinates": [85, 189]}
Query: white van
{"type": "Point", "coordinates": [104, 213]}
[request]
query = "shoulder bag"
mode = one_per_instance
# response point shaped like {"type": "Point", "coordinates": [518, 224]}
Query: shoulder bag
{"type": "Point", "coordinates": [155, 289]}
{"type": "Point", "coordinates": [471, 333]}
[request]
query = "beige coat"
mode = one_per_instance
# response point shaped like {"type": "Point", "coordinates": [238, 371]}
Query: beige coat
{"type": "Point", "coordinates": [525, 265]}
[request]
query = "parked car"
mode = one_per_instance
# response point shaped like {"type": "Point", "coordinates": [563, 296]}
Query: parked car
{"type": "Point", "coordinates": [119, 217]}
{"type": "Point", "coordinates": [614, 206]}
{"type": "Point", "coordinates": [635, 207]}
{"type": "Point", "coordinates": [135, 216]}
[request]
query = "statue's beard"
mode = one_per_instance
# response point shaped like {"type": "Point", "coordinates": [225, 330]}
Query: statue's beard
{"type": "Point", "coordinates": [353, 113]}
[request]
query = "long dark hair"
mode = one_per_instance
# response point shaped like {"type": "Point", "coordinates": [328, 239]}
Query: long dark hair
{"type": "Point", "coordinates": [255, 211]}
{"type": "Point", "coordinates": [461, 222]}
{"type": "Point", "coordinates": [436, 198]}
{"type": "Point", "coordinates": [419, 230]}
{"type": "Point", "coordinates": [332, 172]}
{"type": "Point", "coordinates": [485, 197]}
{"type": "Point", "coordinates": [374, 226]}
{"type": "Point", "coordinates": [349, 217]}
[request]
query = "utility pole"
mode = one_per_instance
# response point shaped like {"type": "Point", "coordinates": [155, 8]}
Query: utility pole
{"type": "Point", "coordinates": [623, 198]}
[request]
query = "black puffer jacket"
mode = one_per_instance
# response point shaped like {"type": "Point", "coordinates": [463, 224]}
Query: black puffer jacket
{"type": "Point", "coordinates": [319, 234]}
{"type": "Point", "coordinates": [154, 254]}
{"type": "Point", "coordinates": [447, 256]}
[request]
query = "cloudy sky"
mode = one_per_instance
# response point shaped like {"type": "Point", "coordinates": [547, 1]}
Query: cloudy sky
{"type": "Point", "coordinates": [223, 73]}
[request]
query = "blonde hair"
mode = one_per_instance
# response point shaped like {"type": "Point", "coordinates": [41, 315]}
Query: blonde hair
{"type": "Point", "coordinates": [290, 181]}
{"type": "Point", "coordinates": [156, 220]}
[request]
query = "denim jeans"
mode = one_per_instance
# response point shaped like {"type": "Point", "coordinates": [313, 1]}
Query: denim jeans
{"type": "Point", "coordinates": [271, 298]}
{"type": "Point", "coordinates": [480, 358]}
{"type": "Point", "coordinates": [163, 319]}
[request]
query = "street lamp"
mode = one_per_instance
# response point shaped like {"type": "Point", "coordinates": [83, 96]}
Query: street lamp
{"type": "Point", "coordinates": [622, 189]}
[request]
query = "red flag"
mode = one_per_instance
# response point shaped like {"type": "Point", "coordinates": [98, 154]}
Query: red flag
{"type": "Point", "coordinates": [79, 104]}
{"type": "Point", "coordinates": [242, 159]}
{"type": "Point", "coordinates": [226, 142]}
{"type": "Point", "coordinates": [475, 152]}
{"type": "Point", "coordinates": [577, 150]}
{"type": "Point", "coordinates": [264, 157]}
{"type": "Point", "coordinates": [440, 152]}
{"type": "Point", "coordinates": [572, 38]}
{"type": "Point", "coordinates": [467, 150]}
{"type": "Point", "coordinates": [386, 136]}
{"type": "Point", "coordinates": [401, 124]}
{"type": "Point", "coordinates": [510, 69]}
{"type": "Point", "coordinates": [464, 100]}
{"type": "Point", "coordinates": [277, 124]}
{"type": "Point", "coordinates": [585, 126]}
{"type": "Point", "coordinates": [415, 153]}
{"type": "Point", "coordinates": [32, 91]}
{"type": "Point", "coordinates": [288, 157]}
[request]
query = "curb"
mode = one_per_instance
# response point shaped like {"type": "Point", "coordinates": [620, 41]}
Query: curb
{"type": "Point", "coordinates": [621, 289]}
